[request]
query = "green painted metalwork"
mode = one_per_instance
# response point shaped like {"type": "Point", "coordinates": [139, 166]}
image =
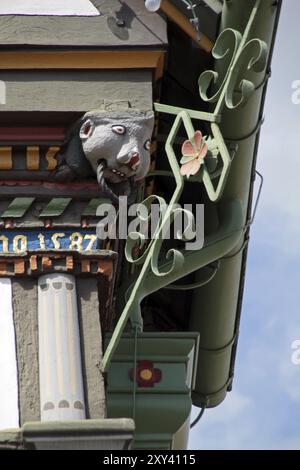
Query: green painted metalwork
{"type": "Point", "coordinates": [56, 207]}
{"type": "Point", "coordinates": [242, 57]}
{"type": "Point", "coordinates": [18, 207]}
{"type": "Point", "coordinates": [174, 110]}
{"type": "Point", "coordinates": [152, 408]}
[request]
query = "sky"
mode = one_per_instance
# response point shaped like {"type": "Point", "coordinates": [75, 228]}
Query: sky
{"type": "Point", "coordinates": [263, 410]}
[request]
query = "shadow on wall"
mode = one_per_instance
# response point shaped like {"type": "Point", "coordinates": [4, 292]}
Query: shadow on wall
{"type": "Point", "coordinates": [121, 22]}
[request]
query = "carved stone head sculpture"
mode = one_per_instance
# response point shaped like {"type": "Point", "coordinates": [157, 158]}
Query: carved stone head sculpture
{"type": "Point", "coordinates": [114, 145]}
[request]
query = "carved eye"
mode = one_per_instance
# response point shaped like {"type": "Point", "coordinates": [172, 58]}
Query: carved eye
{"type": "Point", "coordinates": [86, 129]}
{"type": "Point", "coordinates": [119, 130]}
{"type": "Point", "coordinates": [147, 145]}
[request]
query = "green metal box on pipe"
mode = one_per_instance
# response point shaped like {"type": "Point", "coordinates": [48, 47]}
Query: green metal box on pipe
{"type": "Point", "coordinates": [150, 379]}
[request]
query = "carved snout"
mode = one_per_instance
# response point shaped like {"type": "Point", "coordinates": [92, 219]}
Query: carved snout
{"type": "Point", "coordinates": [134, 160]}
{"type": "Point", "coordinates": [131, 160]}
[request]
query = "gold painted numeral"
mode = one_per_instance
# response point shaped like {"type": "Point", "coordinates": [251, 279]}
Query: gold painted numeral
{"type": "Point", "coordinates": [55, 240]}
{"type": "Point", "coordinates": [4, 241]}
{"type": "Point", "coordinates": [50, 157]}
{"type": "Point", "coordinates": [19, 243]}
{"type": "Point", "coordinates": [76, 240]}
{"type": "Point", "coordinates": [6, 158]}
{"type": "Point", "coordinates": [41, 238]}
{"type": "Point", "coordinates": [92, 239]}
{"type": "Point", "coordinates": [33, 158]}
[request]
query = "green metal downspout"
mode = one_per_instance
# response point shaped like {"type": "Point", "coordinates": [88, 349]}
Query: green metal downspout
{"type": "Point", "coordinates": [215, 306]}
{"type": "Point", "coordinates": [247, 235]}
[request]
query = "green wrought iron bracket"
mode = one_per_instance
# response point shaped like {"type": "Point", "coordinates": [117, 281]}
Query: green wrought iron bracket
{"type": "Point", "coordinates": [242, 56]}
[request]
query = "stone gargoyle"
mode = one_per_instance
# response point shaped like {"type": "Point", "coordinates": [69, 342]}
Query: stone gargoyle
{"type": "Point", "coordinates": [113, 145]}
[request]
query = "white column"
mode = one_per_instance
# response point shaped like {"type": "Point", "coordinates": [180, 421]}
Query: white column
{"type": "Point", "coordinates": [9, 411]}
{"type": "Point", "coordinates": [61, 381]}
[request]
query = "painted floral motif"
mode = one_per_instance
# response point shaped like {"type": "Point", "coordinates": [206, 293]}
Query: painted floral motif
{"type": "Point", "coordinates": [194, 151]}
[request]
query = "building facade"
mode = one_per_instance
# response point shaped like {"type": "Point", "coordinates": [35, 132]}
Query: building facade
{"type": "Point", "coordinates": [117, 336]}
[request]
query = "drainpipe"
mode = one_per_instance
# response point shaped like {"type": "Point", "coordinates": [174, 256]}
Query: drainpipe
{"type": "Point", "coordinates": [215, 307]}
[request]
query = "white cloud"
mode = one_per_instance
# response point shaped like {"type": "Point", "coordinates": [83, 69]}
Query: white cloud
{"type": "Point", "coordinates": [290, 376]}
{"type": "Point", "coordinates": [214, 430]}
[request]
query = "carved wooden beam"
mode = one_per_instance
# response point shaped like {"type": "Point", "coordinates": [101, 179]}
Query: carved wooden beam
{"type": "Point", "coordinates": [32, 134]}
{"type": "Point", "coordinates": [175, 15]}
{"type": "Point", "coordinates": [120, 59]}
{"type": "Point", "coordinates": [99, 263]}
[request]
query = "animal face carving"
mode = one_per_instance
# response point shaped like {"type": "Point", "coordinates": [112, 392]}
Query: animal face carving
{"type": "Point", "coordinates": [119, 141]}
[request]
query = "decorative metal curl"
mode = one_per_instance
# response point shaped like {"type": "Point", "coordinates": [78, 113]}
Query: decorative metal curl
{"type": "Point", "coordinates": [168, 213]}
{"type": "Point", "coordinates": [225, 48]}
{"type": "Point", "coordinates": [252, 57]}
{"type": "Point", "coordinates": [242, 60]}
{"type": "Point", "coordinates": [139, 238]}
{"type": "Point", "coordinates": [175, 255]}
